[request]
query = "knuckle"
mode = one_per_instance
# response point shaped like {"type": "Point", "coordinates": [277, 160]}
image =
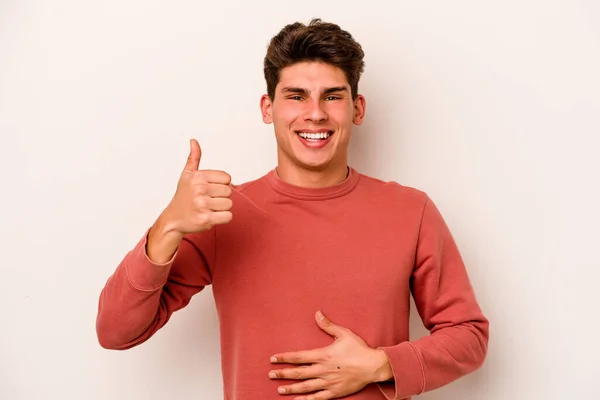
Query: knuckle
{"type": "Point", "coordinates": [203, 219]}
{"type": "Point", "coordinates": [199, 176]}
{"type": "Point", "coordinates": [200, 202]}
{"type": "Point", "coordinates": [200, 189]}
{"type": "Point", "coordinates": [304, 387]}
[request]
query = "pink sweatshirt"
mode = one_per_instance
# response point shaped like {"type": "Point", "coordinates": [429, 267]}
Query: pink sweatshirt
{"type": "Point", "coordinates": [355, 251]}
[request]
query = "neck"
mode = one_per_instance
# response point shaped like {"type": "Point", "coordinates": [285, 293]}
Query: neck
{"type": "Point", "coordinates": [312, 178]}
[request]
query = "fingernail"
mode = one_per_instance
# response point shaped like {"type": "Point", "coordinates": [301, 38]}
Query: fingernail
{"type": "Point", "coordinates": [273, 359]}
{"type": "Point", "coordinates": [272, 375]}
{"type": "Point", "coordinates": [281, 390]}
{"type": "Point", "coordinates": [320, 315]}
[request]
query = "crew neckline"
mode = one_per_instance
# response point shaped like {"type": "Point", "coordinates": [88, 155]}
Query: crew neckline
{"type": "Point", "coordinates": [305, 193]}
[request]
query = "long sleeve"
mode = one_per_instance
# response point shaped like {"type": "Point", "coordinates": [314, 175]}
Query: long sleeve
{"type": "Point", "coordinates": [446, 302]}
{"type": "Point", "coordinates": [140, 296]}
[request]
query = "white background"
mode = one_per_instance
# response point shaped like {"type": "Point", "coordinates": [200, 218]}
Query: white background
{"type": "Point", "coordinates": [492, 107]}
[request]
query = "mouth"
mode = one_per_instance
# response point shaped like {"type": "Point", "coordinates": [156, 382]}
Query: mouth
{"type": "Point", "coordinates": [315, 136]}
{"type": "Point", "coordinates": [315, 139]}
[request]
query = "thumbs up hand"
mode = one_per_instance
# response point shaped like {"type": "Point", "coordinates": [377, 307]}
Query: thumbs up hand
{"type": "Point", "coordinates": [200, 202]}
{"type": "Point", "coordinates": [201, 199]}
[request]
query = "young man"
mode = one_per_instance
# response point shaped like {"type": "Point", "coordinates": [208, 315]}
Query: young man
{"type": "Point", "coordinates": [313, 264]}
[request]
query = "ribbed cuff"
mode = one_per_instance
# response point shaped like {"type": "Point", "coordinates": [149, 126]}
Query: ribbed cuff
{"type": "Point", "coordinates": [144, 274]}
{"type": "Point", "coordinates": [407, 368]}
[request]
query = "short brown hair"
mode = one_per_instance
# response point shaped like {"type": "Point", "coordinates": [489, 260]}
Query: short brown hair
{"type": "Point", "coordinates": [318, 41]}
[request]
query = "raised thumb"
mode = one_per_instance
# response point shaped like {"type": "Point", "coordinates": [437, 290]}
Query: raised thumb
{"type": "Point", "coordinates": [193, 161]}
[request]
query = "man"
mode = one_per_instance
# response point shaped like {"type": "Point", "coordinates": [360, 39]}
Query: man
{"type": "Point", "coordinates": [313, 264]}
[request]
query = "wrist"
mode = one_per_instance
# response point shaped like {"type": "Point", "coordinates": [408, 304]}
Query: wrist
{"type": "Point", "coordinates": [383, 369]}
{"type": "Point", "coordinates": [165, 226]}
{"type": "Point", "coordinates": [163, 241]}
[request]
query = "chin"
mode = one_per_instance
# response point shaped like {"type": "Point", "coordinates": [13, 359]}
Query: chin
{"type": "Point", "coordinates": [314, 165]}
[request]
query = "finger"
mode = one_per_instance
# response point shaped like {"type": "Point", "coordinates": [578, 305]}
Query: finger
{"type": "Point", "coordinates": [219, 204]}
{"type": "Point", "coordinates": [214, 176]}
{"type": "Point", "coordinates": [326, 325]}
{"type": "Point", "coordinates": [308, 386]}
{"type": "Point", "coordinates": [220, 217]}
{"type": "Point", "coordinates": [193, 161]}
{"type": "Point", "coordinates": [299, 357]}
{"type": "Point", "coordinates": [217, 190]}
{"type": "Point", "coordinates": [296, 373]}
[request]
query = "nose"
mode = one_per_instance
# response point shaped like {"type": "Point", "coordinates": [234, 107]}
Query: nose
{"type": "Point", "coordinates": [315, 112]}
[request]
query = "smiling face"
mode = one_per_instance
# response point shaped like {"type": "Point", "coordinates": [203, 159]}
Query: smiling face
{"type": "Point", "coordinates": [312, 113]}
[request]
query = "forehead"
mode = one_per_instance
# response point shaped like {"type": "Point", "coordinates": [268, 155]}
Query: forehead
{"type": "Point", "coordinates": [313, 75]}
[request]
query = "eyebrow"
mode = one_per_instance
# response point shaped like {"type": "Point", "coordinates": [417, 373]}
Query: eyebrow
{"type": "Point", "coordinates": [335, 89]}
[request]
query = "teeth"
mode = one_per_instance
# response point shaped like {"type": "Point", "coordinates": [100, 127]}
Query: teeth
{"type": "Point", "coordinates": [323, 135]}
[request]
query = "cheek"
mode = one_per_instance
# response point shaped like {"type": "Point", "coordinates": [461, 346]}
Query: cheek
{"type": "Point", "coordinates": [341, 117]}
{"type": "Point", "coordinates": [283, 124]}
{"type": "Point", "coordinates": [285, 115]}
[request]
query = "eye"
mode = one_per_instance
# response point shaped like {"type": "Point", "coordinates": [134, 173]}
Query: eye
{"type": "Point", "coordinates": [332, 98]}
{"type": "Point", "coordinates": [295, 97]}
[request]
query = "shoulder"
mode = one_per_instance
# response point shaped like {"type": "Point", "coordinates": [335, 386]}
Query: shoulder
{"type": "Point", "coordinates": [403, 200]}
{"type": "Point", "coordinates": [250, 186]}
{"type": "Point", "coordinates": [247, 186]}
{"type": "Point", "coordinates": [250, 195]}
{"type": "Point", "coordinates": [393, 191]}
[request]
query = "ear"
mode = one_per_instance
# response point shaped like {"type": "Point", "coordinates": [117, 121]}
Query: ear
{"type": "Point", "coordinates": [360, 108]}
{"type": "Point", "coordinates": [266, 106]}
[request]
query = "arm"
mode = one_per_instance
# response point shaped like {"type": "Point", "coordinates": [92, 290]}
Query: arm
{"type": "Point", "coordinates": [446, 302]}
{"type": "Point", "coordinates": [141, 295]}
{"type": "Point", "coordinates": [171, 263]}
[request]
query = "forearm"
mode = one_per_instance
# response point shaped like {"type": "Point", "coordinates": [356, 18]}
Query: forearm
{"type": "Point", "coordinates": [130, 307]}
{"type": "Point", "coordinates": [436, 360]}
{"type": "Point", "coordinates": [142, 294]}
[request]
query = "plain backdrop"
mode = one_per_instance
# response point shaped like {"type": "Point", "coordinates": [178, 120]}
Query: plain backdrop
{"type": "Point", "coordinates": [491, 107]}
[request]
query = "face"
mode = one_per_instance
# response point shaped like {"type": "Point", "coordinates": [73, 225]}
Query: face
{"type": "Point", "coordinates": [313, 113]}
